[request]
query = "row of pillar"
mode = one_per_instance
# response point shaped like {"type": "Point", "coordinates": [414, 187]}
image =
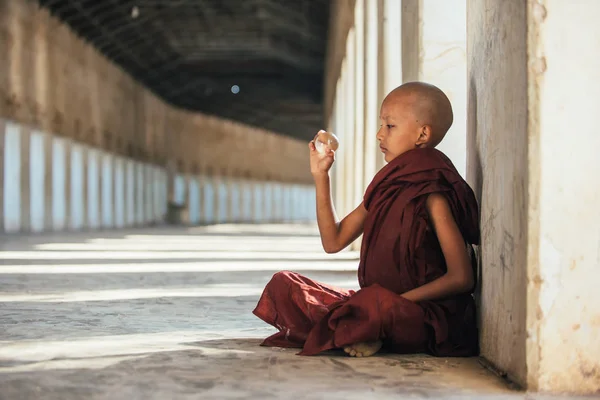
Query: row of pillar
{"type": "Point", "coordinates": [380, 54]}
{"type": "Point", "coordinates": [221, 199]}
{"type": "Point", "coordinates": [52, 183]}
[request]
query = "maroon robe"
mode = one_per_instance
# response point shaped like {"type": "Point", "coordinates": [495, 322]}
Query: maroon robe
{"type": "Point", "coordinates": [400, 251]}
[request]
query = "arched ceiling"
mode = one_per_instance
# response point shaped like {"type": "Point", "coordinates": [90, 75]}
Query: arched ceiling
{"type": "Point", "coordinates": [192, 53]}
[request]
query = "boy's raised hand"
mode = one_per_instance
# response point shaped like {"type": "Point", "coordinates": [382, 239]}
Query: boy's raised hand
{"type": "Point", "coordinates": [320, 163]}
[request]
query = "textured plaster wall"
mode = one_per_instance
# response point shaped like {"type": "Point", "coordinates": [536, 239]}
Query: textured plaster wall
{"type": "Point", "coordinates": [434, 50]}
{"type": "Point", "coordinates": [563, 345]}
{"type": "Point", "coordinates": [497, 169]}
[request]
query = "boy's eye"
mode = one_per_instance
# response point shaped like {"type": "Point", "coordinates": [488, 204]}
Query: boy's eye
{"type": "Point", "coordinates": [390, 126]}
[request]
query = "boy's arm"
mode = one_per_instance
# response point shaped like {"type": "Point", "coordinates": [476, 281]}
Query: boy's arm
{"type": "Point", "coordinates": [459, 276]}
{"type": "Point", "coordinates": [335, 236]}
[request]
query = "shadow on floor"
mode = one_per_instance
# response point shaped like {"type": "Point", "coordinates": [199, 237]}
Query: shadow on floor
{"type": "Point", "coordinates": [240, 368]}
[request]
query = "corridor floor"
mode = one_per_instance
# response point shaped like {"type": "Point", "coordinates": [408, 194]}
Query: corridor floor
{"type": "Point", "coordinates": [166, 314]}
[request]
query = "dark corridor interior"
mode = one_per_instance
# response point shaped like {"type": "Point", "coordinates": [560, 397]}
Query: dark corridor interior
{"type": "Point", "coordinates": [258, 62]}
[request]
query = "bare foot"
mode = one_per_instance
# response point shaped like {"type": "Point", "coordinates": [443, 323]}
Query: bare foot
{"type": "Point", "coordinates": [365, 349]}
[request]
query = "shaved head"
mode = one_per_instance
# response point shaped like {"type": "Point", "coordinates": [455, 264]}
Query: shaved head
{"type": "Point", "coordinates": [428, 104]}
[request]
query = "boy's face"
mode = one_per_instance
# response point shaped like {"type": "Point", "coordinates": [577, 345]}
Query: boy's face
{"type": "Point", "coordinates": [399, 131]}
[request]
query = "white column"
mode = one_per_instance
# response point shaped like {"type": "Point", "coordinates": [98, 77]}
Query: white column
{"type": "Point", "coordinates": [267, 202]}
{"type": "Point", "coordinates": [371, 95]}
{"type": "Point", "coordinates": [349, 99]}
{"type": "Point", "coordinates": [139, 193]}
{"type": "Point", "coordinates": [67, 187]}
{"type": "Point", "coordinates": [340, 177]}
{"type": "Point", "coordinates": [258, 201]}
{"type": "Point", "coordinates": [58, 176]}
{"type": "Point", "coordinates": [222, 205]}
{"type": "Point", "coordinates": [392, 46]}
{"type": "Point", "coordinates": [48, 223]}
{"type": "Point", "coordinates": [443, 45]}
{"type": "Point", "coordinates": [84, 187]}
{"type": "Point", "coordinates": [180, 195]}
{"type": "Point", "coordinates": [208, 195]}
{"type": "Point", "coordinates": [78, 188]}
{"type": "Point", "coordinates": [201, 179]}
{"type": "Point", "coordinates": [233, 199]}
{"type": "Point", "coordinates": [359, 104]}
{"type": "Point", "coordinates": [93, 192]}
{"type": "Point", "coordinates": [278, 203]}
{"type": "Point", "coordinates": [158, 195]}
{"type": "Point", "coordinates": [130, 204]}
{"type": "Point", "coordinates": [16, 200]}
{"type": "Point", "coordinates": [37, 182]}
{"type": "Point", "coordinates": [119, 192]}
{"type": "Point", "coordinates": [563, 316]}
{"type": "Point", "coordinates": [107, 192]}
{"type": "Point", "coordinates": [287, 203]}
{"type": "Point", "coordinates": [148, 193]}
{"type": "Point", "coordinates": [2, 173]}
{"type": "Point", "coordinates": [247, 200]}
{"type": "Point", "coordinates": [193, 200]}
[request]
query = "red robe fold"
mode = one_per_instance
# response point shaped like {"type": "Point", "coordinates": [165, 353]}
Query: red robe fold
{"type": "Point", "coordinates": [400, 252]}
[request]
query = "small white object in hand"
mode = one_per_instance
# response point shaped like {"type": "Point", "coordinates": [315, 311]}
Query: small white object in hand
{"type": "Point", "coordinates": [326, 140]}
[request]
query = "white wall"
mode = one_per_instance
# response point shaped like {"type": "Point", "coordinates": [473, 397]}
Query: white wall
{"type": "Point", "coordinates": [564, 268]}
{"type": "Point", "coordinates": [443, 63]}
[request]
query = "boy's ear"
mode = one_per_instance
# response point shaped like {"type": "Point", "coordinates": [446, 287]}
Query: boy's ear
{"type": "Point", "coordinates": [424, 137]}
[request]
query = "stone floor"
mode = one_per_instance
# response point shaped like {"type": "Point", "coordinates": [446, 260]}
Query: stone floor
{"type": "Point", "coordinates": [166, 314]}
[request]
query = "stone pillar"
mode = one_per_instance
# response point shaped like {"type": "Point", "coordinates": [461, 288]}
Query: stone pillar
{"type": "Point", "coordinates": [201, 179]}
{"type": "Point", "coordinates": [287, 203]}
{"type": "Point", "coordinates": [93, 192]}
{"type": "Point", "coordinates": [278, 201]}
{"type": "Point", "coordinates": [56, 184]}
{"type": "Point", "coordinates": [194, 199]}
{"type": "Point", "coordinates": [257, 202]}
{"type": "Point", "coordinates": [267, 204]}
{"type": "Point", "coordinates": [77, 210]}
{"type": "Point", "coordinates": [360, 134]}
{"type": "Point", "coordinates": [187, 199]}
{"type": "Point", "coordinates": [390, 53]}
{"type": "Point", "coordinates": [371, 95]}
{"type": "Point", "coordinates": [130, 191]}
{"type": "Point", "coordinates": [340, 101]}
{"type": "Point", "coordinates": [2, 173]}
{"type": "Point", "coordinates": [13, 182]}
{"type": "Point", "coordinates": [119, 192]}
{"type": "Point", "coordinates": [139, 194]}
{"type": "Point", "coordinates": [221, 204]}
{"type": "Point", "coordinates": [67, 183]}
{"type": "Point", "coordinates": [563, 234]}
{"type": "Point", "coordinates": [443, 41]}
{"type": "Point", "coordinates": [25, 177]}
{"type": "Point", "coordinates": [232, 199]}
{"type": "Point", "coordinates": [247, 204]}
{"type": "Point", "coordinates": [392, 46]}
{"type": "Point", "coordinates": [148, 193]}
{"type": "Point", "coordinates": [107, 189]}
{"type": "Point", "coordinates": [159, 200]}
{"type": "Point", "coordinates": [497, 172]}
{"type": "Point", "coordinates": [349, 133]}
{"type": "Point", "coordinates": [536, 184]}
{"type": "Point", "coordinates": [209, 197]}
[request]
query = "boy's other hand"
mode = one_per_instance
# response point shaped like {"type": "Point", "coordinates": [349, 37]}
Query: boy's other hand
{"type": "Point", "coordinates": [320, 163]}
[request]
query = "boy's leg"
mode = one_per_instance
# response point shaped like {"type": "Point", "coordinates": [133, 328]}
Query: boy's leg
{"type": "Point", "coordinates": [294, 304]}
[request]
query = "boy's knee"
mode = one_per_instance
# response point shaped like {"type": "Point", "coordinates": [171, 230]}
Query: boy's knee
{"type": "Point", "coordinates": [282, 276]}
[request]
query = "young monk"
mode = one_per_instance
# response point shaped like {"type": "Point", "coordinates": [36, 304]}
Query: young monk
{"type": "Point", "coordinates": [417, 268]}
